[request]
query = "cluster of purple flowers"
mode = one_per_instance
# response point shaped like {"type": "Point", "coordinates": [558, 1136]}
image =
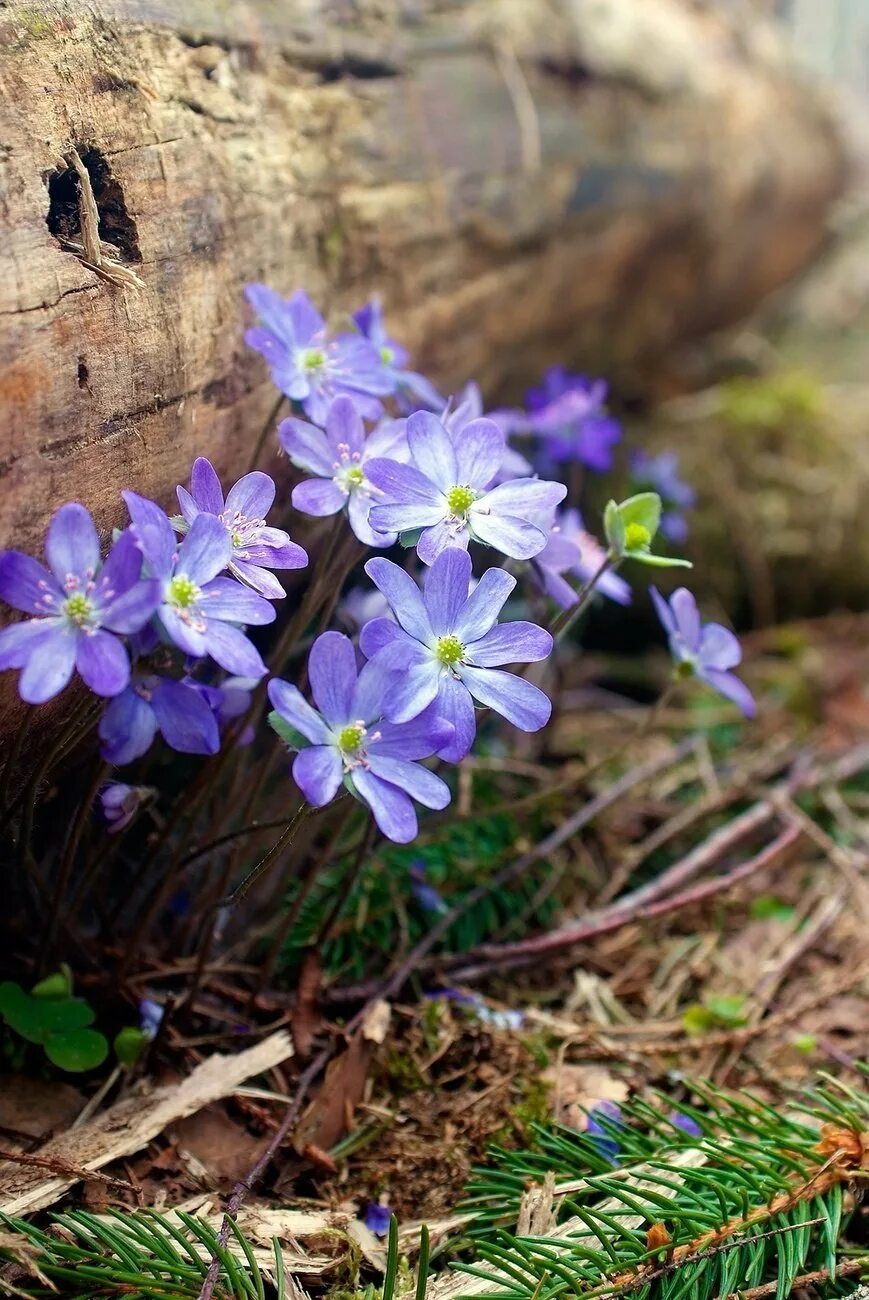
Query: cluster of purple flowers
{"type": "Point", "coordinates": [160, 624]}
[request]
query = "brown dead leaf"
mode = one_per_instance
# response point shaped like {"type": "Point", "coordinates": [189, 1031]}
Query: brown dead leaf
{"type": "Point", "coordinates": [576, 1088]}
{"type": "Point", "coordinates": [37, 1107]}
{"type": "Point", "coordinates": [330, 1114]}
{"type": "Point", "coordinates": [306, 1019]}
{"type": "Point", "coordinates": [223, 1149]}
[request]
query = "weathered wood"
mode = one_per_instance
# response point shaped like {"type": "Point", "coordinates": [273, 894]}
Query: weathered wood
{"type": "Point", "coordinates": [521, 180]}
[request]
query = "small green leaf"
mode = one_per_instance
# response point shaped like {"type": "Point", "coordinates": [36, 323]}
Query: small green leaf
{"type": "Point", "coordinates": [77, 1050]}
{"type": "Point", "coordinates": [614, 528]}
{"type": "Point", "coordinates": [805, 1043]}
{"type": "Point", "coordinates": [130, 1042]}
{"type": "Point", "coordinates": [727, 1009]}
{"type": "Point", "coordinates": [697, 1020]}
{"type": "Point", "coordinates": [37, 1018]}
{"type": "Point", "coordinates": [659, 561]}
{"type": "Point", "coordinates": [58, 985]}
{"type": "Point", "coordinates": [769, 908]}
{"type": "Point", "coordinates": [289, 735]}
{"type": "Point", "coordinates": [643, 510]}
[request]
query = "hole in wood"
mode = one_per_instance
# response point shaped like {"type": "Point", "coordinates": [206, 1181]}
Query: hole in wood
{"type": "Point", "coordinates": [117, 227]}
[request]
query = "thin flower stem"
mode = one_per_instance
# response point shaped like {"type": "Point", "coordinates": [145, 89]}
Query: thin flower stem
{"type": "Point", "coordinates": [77, 728]}
{"type": "Point", "coordinates": [566, 619]}
{"type": "Point", "coordinates": [241, 890]}
{"type": "Point", "coordinates": [342, 895]}
{"type": "Point", "coordinates": [14, 753]}
{"type": "Point", "coordinates": [84, 812]}
{"type": "Point", "coordinates": [264, 432]}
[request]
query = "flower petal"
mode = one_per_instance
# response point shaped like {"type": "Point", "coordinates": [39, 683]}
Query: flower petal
{"type": "Point", "coordinates": [480, 448]}
{"type": "Point", "coordinates": [446, 535]}
{"type": "Point", "coordinates": [292, 705]}
{"type": "Point", "coordinates": [377, 633]}
{"type": "Point", "coordinates": [131, 610]}
{"type": "Point", "coordinates": [507, 534]}
{"type": "Point", "coordinates": [122, 568]}
{"type": "Point", "coordinates": [404, 518]}
{"type": "Point", "coordinates": [252, 496]}
{"type": "Point", "coordinates": [484, 605]}
{"type": "Point", "coordinates": [662, 609]}
{"type": "Point", "coordinates": [432, 449]}
{"type": "Point", "coordinates": [518, 701]}
{"type": "Point", "coordinates": [25, 584]}
{"type": "Point", "coordinates": [719, 648]}
{"type": "Point", "coordinates": [49, 666]}
{"type": "Point", "coordinates": [404, 597]}
{"type": "Point", "coordinates": [154, 533]}
{"type": "Point", "coordinates": [205, 487]}
{"type": "Point", "coordinates": [317, 772]}
{"type": "Point", "coordinates": [358, 510]}
{"type": "Point", "coordinates": [510, 643]}
{"type": "Point", "coordinates": [257, 578]}
{"type": "Point", "coordinates": [318, 496]}
{"type": "Point", "coordinates": [18, 641]}
{"type": "Point", "coordinates": [72, 546]}
{"type": "Point", "coordinates": [229, 647]}
{"type": "Point", "coordinates": [423, 736]}
{"type": "Point", "coordinates": [205, 551]}
{"type": "Point", "coordinates": [525, 498]}
{"type": "Point", "coordinates": [446, 589]}
{"type": "Point", "coordinates": [402, 484]}
{"type": "Point", "coordinates": [127, 728]}
{"type": "Point", "coordinates": [371, 690]}
{"type": "Point", "coordinates": [393, 811]}
{"type": "Point", "coordinates": [344, 428]}
{"type": "Point", "coordinates": [455, 705]}
{"type": "Point", "coordinates": [102, 662]}
{"type": "Point", "coordinates": [186, 721]}
{"type": "Point", "coordinates": [332, 673]}
{"type": "Point", "coordinates": [181, 632]}
{"type": "Point", "coordinates": [730, 686]}
{"type": "Point", "coordinates": [228, 600]}
{"type": "Point", "coordinates": [306, 446]}
{"type": "Point", "coordinates": [686, 618]}
{"type": "Point", "coordinates": [271, 309]}
{"type": "Point", "coordinates": [418, 782]}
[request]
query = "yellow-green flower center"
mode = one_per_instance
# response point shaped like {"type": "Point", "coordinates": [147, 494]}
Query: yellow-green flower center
{"type": "Point", "coordinates": [78, 608]}
{"type": "Point", "coordinates": [354, 477]}
{"type": "Point", "coordinates": [449, 650]}
{"type": "Point", "coordinates": [183, 591]}
{"type": "Point", "coordinates": [351, 737]}
{"type": "Point", "coordinates": [685, 668]}
{"type": "Point", "coordinates": [637, 536]}
{"type": "Point", "coordinates": [313, 359]}
{"type": "Point", "coordinates": [460, 499]}
{"type": "Point", "coordinates": [387, 356]}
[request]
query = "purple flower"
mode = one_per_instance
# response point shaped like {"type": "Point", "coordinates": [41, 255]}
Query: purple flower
{"type": "Point", "coordinates": [377, 1217]}
{"type": "Point", "coordinates": [567, 411]}
{"type": "Point", "coordinates": [425, 894]}
{"type": "Point", "coordinates": [447, 646]}
{"type": "Point", "coordinates": [570, 549]}
{"type": "Point", "coordinates": [256, 548]}
{"type": "Point", "coordinates": [150, 1017]}
{"type": "Point", "coordinates": [686, 1124]}
{"type": "Point", "coordinates": [603, 1125]}
{"type": "Point", "coordinates": [121, 803]}
{"type": "Point", "coordinates": [177, 709]}
{"type": "Point", "coordinates": [411, 389]}
{"type": "Point", "coordinates": [228, 701]}
{"type": "Point", "coordinates": [199, 611]}
{"type": "Point", "coordinates": [78, 605]}
{"type": "Point", "coordinates": [339, 458]}
{"type": "Point", "coordinates": [469, 408]}
{"type": "Point", "coordinates": [661, 474]}
{"type": "Point", "coordinates": [444, 492]}
{"type": "Point", "coordinates": [707, 652]}
{"type": "Point", "coordinates": [349, 741]}
{"type": "Point", "coordinates": [307, 365]}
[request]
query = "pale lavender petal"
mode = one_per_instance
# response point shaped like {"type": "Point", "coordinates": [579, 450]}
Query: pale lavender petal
{"type": "Point", "coordinates": [284, 555]}
{"type": "Point", "coordinates": [402, 484]}
{"type": "Point", "coordinates": [205, 487]}
{"type": "Point", "coordinates": [511, 536]}
{"type": "Point", "coordinates": [393, 811]}
{"type": "Point", "coordinates": [229, 647]}
{"type": "Point", "coordinates": [415, 683]}
{"type": "Point", "coordinates": [292, 705]}
{"type": "Point", "coordinates": [358, 508]}
{"type": "Point", "coordinates": [257, 578]}
{"type": "Point", "coordinates": [127, 728]}
{"type": "Point", "coordinates": [273, 349]}
{"type": "Point", "coordinates": [432, 449]}
{"type": "Point", "coordinates": [344, 428]}
{"type": "Point", "coordinates": [307, 321]}
{"type": "Point", "coordinates": [525, 498]}
{"type": "Point", "coordinates": [556, 587]}
{"type": "Point", "coordinates": [662, 609]}
{"type": "Point", "coordinates": [518, 701]}
{"type": "Point", "coordinates": [615, 587]}
{"type": "Point", "coordinates": [418, 782]}
{"type": "Point", "coordinates": [729, 685]}
{"type": "Point", "coordinates": [455, 706]}
{"type": "Point", "coordinates": [122, 568]}
{"type": "Point", "coordinates": [404, 518]}
{"type": "Point", "coordinates": [153, 532]}
{"type": "Point", "coordinates": [102, 662]}
{"type": "Point", "coordinates": [319, 496]}
{"type": "Point", "coordinates": [252, 496]}
{"type": "Point", "coordinates": [181, 632]}
{"type": "Point", "coordinates": [446, 589]}
{"type": "Point", "coordinates": [371, 690]}
{"type": "Point", "coordinates": [420, 738]}
{"type": "Point", "coordinates": [480, 451]}
{"type": "Point", "coordinates": [484, 605]}
{"type": "Point", "coordinates": [24, 584]}
{"type": "Point", "coordinates": [225, 599]}
{"type": "Point", "coordinates": [306, 446]}
{"type": "Point", "coordinates": [719, 648]}
{"type": "Point", "coordinates": [388, 439]}
{"type": "Point", "coordinates": [131, 610]}
{"type": "Point", "coordinates": [403, 595]}
{"type": "Point", "coordinates": [447, 535]}
{"type": "Point", "coordinates": [184, 717]}
{"type": "Point", "coordinates": [332, 672]}
{"type": "Point", "coordinates": [271, 309]}
{"type": "Point", "coordinates": [510, 643]}
{"type": "Point", "coordinates": [189, 508]}
{"type": "Point", "coordinates": [205, 551]}
{"type": "Point", "coordinates": [72, 545]}
{"type": "Point", "coordinates": [317, 772]}
{"type": "Point", "coordinates": [686, 617]}
{"type": "Point", "coordinates": [49, 666]}
{"type": "Point", "coordinates": [17, 641]}
{"type": "Point", "coordinates": [377, 633]}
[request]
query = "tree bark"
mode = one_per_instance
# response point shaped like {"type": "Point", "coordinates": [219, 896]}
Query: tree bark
{"type": "Point", "coordinates": [523, 180]}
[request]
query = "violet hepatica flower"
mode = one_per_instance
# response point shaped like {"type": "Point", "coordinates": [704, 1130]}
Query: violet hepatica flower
{"type": "Point", "coordinates": [377, 1217]}
{"type": "Point", "coordinates": [686, 1124]}
{"type": "Point", "coordinates": [256, 548]}
{"type": "Point", "coordinates": [411, 389]}
{"type": "Point", "coordinates": [339, 459]}
{"type": "Point", "coordinates": [150, 1017]}
{"type": "Point", "coordinates": [445, 492]}
{"type": "Point", "coordinates": [347, 740]}
{"type": "Point", "coordinates": [78, 605]}
{"type": "Point", "coordinates": [425, 894]}
{"type": "Point", "coordinates": [199, 611]}
{"type": "Point", "coordinates": [447, 647]}
{"type": "Point", "coordinates": [571, 550]}
{"type": "Point", "coordinates": [309, 367]}
{"type": "Point", "coordinates": [121, 802]}
{"type": "Point", "coordinates": [661, 474]}
{"type": "Point", "coordinates": [603, 1126]}
{"type": "Point", "coordinates": [469, 407]}
{"type": "Point", "coordinates": [705, 651]}
{"type": "Point", "coordinates": [177, 709]}
{"type": "Point", "coordinates": [568, 413]}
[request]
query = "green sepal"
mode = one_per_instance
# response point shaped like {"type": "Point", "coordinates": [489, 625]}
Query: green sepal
{"type": "Point", "coordinates": [410, 538]}
{"type": "Point", "coordinates": [292, 739]}
{"type": "Point", "coordinates": [614, 528]}
{"type": "Point", "coordinates": [658, 561]}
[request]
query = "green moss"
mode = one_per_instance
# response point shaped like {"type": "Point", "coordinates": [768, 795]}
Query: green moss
{"type": "Point", "coordinates": [778, 401]}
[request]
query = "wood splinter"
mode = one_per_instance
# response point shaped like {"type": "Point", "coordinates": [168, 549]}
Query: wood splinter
{"type": "Point", "coordinates": [90, 252]}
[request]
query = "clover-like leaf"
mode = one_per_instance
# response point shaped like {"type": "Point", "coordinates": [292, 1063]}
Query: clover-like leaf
{"type": "Point", "coordinates": [77, 1050]}
{"type": "Point", "coordinates": [36, 1018]}
{"type": "Point", "coordinates": [58, 985]}
{"type": "Point", "coordinates": [130, 1042]}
